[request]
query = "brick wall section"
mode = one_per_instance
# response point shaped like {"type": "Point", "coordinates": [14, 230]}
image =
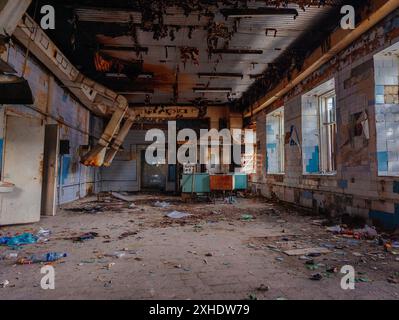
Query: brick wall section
{"type": "Point", "coordinates": [356, 189]}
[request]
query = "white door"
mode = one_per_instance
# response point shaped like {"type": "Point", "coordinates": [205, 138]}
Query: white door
{"type": "Point", "coordinates": [23, 166]}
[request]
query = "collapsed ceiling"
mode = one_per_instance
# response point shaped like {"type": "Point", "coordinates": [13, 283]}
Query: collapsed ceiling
{"type": "Point", "coordinates": [194, 52]}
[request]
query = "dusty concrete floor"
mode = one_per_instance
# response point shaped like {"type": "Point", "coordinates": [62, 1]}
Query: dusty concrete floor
{"type": "Point", "coordinates": [212, 255]}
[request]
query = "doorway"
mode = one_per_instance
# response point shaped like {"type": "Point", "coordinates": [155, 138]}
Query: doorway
{"type": "Point", "coordinates": [50, 170]}
{"type": "Point", "coordinates": [153, 176]}
{"type": "Point", "coordinates": [23, 166]}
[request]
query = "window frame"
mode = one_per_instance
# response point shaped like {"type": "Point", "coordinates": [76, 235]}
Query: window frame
{"type": "Point", "coordinates": [327, 138]}
{"type": "Point", "coordinates": [281, 139]}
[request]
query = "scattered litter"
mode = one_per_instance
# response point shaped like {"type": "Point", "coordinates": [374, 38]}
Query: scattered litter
{"type": "Point", "coordinates": [316, 277]}
{"type": "Point", "coordinates": [88, 209]}
{"type": "Point", "coordinates": [311, 265]}
{"type": "Point", "coordinates": [327, 245]}
{"type": "Point", "coordinates": [263, 288]}
{"type": "Point", "coordinates": [305, 258]}
{"type": "Point", "coordinates": [280, 259]}
{"type": "Point", "coordinates": [308, 251]}
{"type": "Point", "coordinates": [252, 297]}
{"type": "Point", "coordinates": [110, 265]}
{"type": "Point", "coordinates": [198, 228]}
{"type": "Point", "coordinates": [9, 256]}
{"type": "Point", "coordinates": [332, 270]}
{"type": "Point", "coordinates": [24, 239]}
{"type": "Point", "coordinates": [318, 222]}
{"type": "Point", "coordinates": [334, 229]}
{"type": "Point", "coordinates": [363, 279]}
{"type": "Point", "coordinates": [48, 257]}
{"type": "Point", "coordinates": [4, 284]}
{"type": "Point", "coordinates": [357, 254]}
{"type": "Point", "coordinates": [127, 234]}
{"type": "Point", "coordinates": [247, 217]}
{"type": "Point", "coordinates": [43, 235]}
{"type": "Point", "coordinates": [393, 280]}
{"type": "Point", "coordinates": [160, 204]}
{"type": "Point", "coordinates": [116, 255]}
{"type": "Point", "coordinates": [178, 215]}
{"type": "Point", "coordinates": [230, 200]}
{"type": "Point", "coordinates": [365, 233]}
{"type": "Point", "coordinates": [85, 237]}
{"type": "Point", "coordinates": [121, 197]}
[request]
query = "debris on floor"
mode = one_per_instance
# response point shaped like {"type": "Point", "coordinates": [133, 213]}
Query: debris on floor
{"type": "Point", "coordinates": [120, 197]}
{"type": "Point", "coordinates": [21, 240]}
{"type": "Point", "coordinates": [178, 215]}
{"type": "Point", "coordinates": [298, 249]}
{"type": "Point", "coordinates": [42, 258]}
{"type": "Point", "coordinates": [85, 237]}
{"type": "Point", "coordinates": [160, 204]}
{"type": "Point", "coordinates": [247, 217]}
{"type": "Point", "coordinates": [307, 251]}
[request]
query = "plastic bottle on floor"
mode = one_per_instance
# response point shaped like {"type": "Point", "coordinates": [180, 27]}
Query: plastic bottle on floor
{"type": "Point", "coordinates": [48, 257]}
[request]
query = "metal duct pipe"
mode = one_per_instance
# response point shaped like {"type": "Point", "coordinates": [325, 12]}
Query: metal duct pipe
{"type": "Point", "coordinates": [11, 12]}
{"type": "Point", "coordinates": [96, 156]}
{"type": "Point", "coordinates": [116, 145]}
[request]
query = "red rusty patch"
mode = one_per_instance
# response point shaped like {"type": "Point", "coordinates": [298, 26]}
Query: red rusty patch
{"type": "Point", "coordinates": [165, 77]}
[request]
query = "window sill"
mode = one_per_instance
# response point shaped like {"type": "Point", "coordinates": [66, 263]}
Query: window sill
{"type": "Point", "coordinates": [385, 176]}
{"type": "Point", "coordinates": [316, 175]}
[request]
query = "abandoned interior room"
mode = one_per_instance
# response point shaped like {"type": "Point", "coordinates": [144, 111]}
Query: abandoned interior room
{"type": "Point", "coordinates": [199, 149]}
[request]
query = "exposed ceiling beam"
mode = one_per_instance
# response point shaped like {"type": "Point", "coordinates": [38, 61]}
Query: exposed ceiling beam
{"type": "Point", "coordinates": [340, 39]}
{"type": "Point", "coordinates": [220, 75]}
{"type": "Point", "coordinates": [212, 90]}
{"type": "Point", "coordinates": [236, 51]}
{"type": "Point", "coordinates": [123, 48]}
{"type": "Point", "coordinates": [259, 12]}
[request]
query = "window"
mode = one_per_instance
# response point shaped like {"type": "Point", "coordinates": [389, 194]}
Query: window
{"type": "Point", "coordinates": [319, 130]}
{"type": "Point", "coordinates": [386, 66]}
{"type": "Point", "coordinates": [328, 131]}
{"type": "Point", "coordinates": [275, 141]}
